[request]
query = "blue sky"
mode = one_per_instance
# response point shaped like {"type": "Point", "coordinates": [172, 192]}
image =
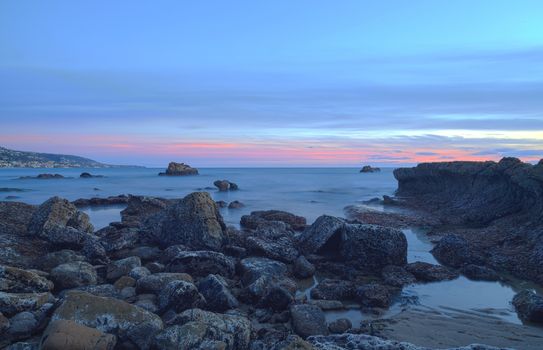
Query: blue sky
{"type": "Point", "coordinates": [273, 83]}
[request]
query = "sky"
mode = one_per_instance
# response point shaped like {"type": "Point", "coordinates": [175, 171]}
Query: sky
{"type": "Point", "coordinates": [275, 83]}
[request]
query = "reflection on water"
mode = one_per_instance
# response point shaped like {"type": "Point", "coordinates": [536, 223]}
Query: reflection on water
{"type": "Point", "coordinates": [101, 216]}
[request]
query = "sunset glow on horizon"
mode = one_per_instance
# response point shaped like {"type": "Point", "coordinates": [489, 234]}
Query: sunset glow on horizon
{"type": "Point", "coordinates": [273, 84]}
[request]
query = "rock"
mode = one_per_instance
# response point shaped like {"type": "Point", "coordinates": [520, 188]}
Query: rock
{"type": "Point", "coordinates": [73, 274]}
{"type": "Point", "coordinates": [332, 289]}
{"type": "Point", "coordinates": [194, 221]}
{"type": "Point", "coordinates": [147, 302]}
{"type": "Point", "coordinates": [158, 281]}
{"type": "Point", "coordinates": [280, 248]}
{"type": "Point", "coordinates": [101, 201]}
{"type": "Point", "coordinates": [341, 325]}
{"type": "Point", "coordinates": [373, 295]}
{"type": "Point", "coordinates": [325, 229]}
{"type": "Point", "coordinates": [529, 306]}
{"type": "Point", "coordinates": [124, 282]}
{"type": "Point", "coordinates": [179, 169]}
{"type": "Point", "coordinates": [24, 345]}
{"type": "Point", "coordinates": [454, 251]}
{"type": "Point", "coordinates": [100, 290]}
{"type": "Point", "coordinates": [52, 260]}
{"type": "Point", "coordinates": [195, 327]}
{"type": "Point", "coordinates": [13, 303]}
{"type": "Point", "coordinates": [86, 175]}
{"type": "Point", "coordinates": [225, 185]}
{"type": "Point", "coordinates": [110, 316]}
{"type": "Point", "coordinates": [16, 280]}
{"type": "Point", "coordinates": [122, 267]}
{"type": "Point", "coordinates": [202, 262]}
{"type": "Point", "coordinates": [235, 205]}
{"type": "Point", "coordinates": [4, 323]}
{"type": "Point", "coordinates": [369, 169]}
{"type": "Point", "coordinates": [43, 177]}
{"type": "Point", "coordinates": [276, 298]}
{"type": "Point", "coordinates": [221, 204]}
{"type": "Point", "coordinates": [372, 246]}
{"type": "Point", "coordinates": [57, 213]}
{"type": "Point", "coordinates": [69, 335]}
{"type": "Point", "coordinates": [397, 276]}
{"type": "Point", "coordinates": [140, 208]}
{"type": "Point", "coordinates": [22, 324]}
{"type": "Point", "coordinates": [479, 273]}
{"type": "Point", "coordinates": [113, 239]}
{"type": "Point", "coordinates": [327, 304]}
{"type": "Point", "coordinates": [139, 272]}
{"type": "Point", "coordinates": [308, 320]}
{"type": "Point", "coordinates": [253, 268]}
{"type": "Point", "coordinates": [427, 272]}
{"type": "Point", "coordinates": [155, 267]}
{"type": "Point", "coordinates": [303, 268]}
{"type": "Point", "coordinates": [216, 293]}
{"type": "Point", "coordinates": [252, 221]}
{"type": "Point", "coordinates": [179, 296]}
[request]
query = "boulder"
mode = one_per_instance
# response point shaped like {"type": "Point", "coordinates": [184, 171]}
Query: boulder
{"type": "Point", "coordinates": [225, 185]}
{"type": "Point", "coordinates": [373, 295]}
{"type": "Point", "coordinates": [201, 263]}
{"type": "Point", "coordinates": [195, 327]}
{"type": "Point", "coordinates": [122, 267]}
{"type": "Point", "coordinates": [13, 303]}
{"type": "Point", "coordinates": [303, 268]}
{"type": "Point", "coordinates": [17, 280]}
{"type": "Point", "coordinates": [156, 282]}
{"type": "Point", "coordinates": [341, 325]}
{"type": "Point", "coordinates": [51, 260]}
{"type": "Point", "coordinates": [276, 297]}
{"type": "Point", "coordinates": [22, 325]}
{"type": "Point", "coordinates": [179, 296]}
{"type": "Point", "coordinates": [281, 248]}
{"type": "Point", "coordinates": [179, 169]}
{"type": "Point", "coordinates": [454, 251]}
{"type": "Point", "coordinates": [124, 282]}
{"type": "Point", "coordinates": [308, 320]}
{"type": "Point", "coordinates": [529, 306]}
{"type": "Point", "coordinates": [73, 274]}
{"type": "Point", "coordinates": [194, 221]}
{"type": "Point", "coordinates": [110, 315]}
{"type": "Point", "coordinates": [397, 276]}
{"type": "Point", "coordinates": [140, 208]}
{"type": "Point", "coordinates": [235, 205]}
{"type": "Point", "coordinates": [58, 213]}
{"type": "Point", "coordinates": [139, 272]}
{"type": "Point", "coordinates": [114, 239]}
{"type": "Point", "coordinates": [427, 272]}
{"type": "Point", "coordinates": [333, 289]}
{"type": "Point", "coordinates": [252, 221]}
{"type": "Point", "coordinates": [216, 293]}
{"type": "Point", "coordinates": [326, 228]}
{"type": "Point", "coordinates": [251, 269]}
{"type": "Point", "coordinates": [69, 335]}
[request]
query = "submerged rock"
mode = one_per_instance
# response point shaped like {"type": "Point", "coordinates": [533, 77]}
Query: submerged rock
{"type": "Point", "coordinates": [235, 205]}
{"type": "Point", "coordinates": [194, 221]}
{"type": "Point", "coordinates": [427, 272]}
{"type": "Point", "coordinates": [179, 169]}
{"type": "Point", "coordinates": [43, 177]}
{"type": "Point", "coordinates": [86, 175]}
{"type": "Point", "coordinates": [529, 306]}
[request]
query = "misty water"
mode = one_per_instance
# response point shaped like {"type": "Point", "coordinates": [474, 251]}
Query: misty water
{"type": "Point", "coordinates": [309, 192]}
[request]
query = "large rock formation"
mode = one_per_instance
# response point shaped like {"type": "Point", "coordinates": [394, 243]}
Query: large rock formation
{"type": "Point", "coordinates": [179, 169]}
{"type": "Point", "coordinates": [194, 221]}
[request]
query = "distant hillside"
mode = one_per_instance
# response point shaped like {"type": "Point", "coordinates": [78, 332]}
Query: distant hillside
{"type": "Point", "coordinates": [19, 159]}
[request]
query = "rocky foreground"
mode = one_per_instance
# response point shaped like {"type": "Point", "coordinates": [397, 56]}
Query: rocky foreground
{"type": "Point", "coordinates": [172, 275]}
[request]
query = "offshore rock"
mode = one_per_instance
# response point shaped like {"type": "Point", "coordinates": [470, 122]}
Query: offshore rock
{"type": "Point", "coordinates": [179, 169]}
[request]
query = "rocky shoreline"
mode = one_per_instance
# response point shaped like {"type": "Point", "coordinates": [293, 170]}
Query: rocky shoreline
{"type": "Point", "coordinates": [172, 275]}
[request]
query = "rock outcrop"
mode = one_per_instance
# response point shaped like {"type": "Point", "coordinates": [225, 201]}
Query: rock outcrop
{"type": "Point", "coordinates": [369, 169]}
{"type": "Point", "coordinates": [225, 185]}
{"type": "Point", "coordinates": [179, 169]}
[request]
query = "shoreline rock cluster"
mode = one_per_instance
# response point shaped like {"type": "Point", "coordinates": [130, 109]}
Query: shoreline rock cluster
{"type": "Point", "coordinates": [172, 275]}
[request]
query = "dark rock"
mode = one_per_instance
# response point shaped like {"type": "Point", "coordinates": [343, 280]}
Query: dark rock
{"type": "Point", "coordinates": [16, 280]}
{"type": "Point", "coordinates": [279, 248]}
{"type": "Point", "coordinates": [198, 329]}
{"type": "Point", "coordinates": [479, 273]}
{"type": "Point", "coordinates": [43, 177]}
{"type": "Point", "coordinates": [397, 276]}
{"type": "Point", "coordinates": [139, 272]}
{"type": "Point", "coordinates": [158, 281]}
{"type": "Point", "coordinates": [66, 334]}
{"type": "Point", "coordinates": [202, 262]}
{"type": "Point", "coordinates": [235, 205]}
{"type": "Point", "coordinates": [118, 268]}
{"type": "Point", "coordinates": [57, 213]}
{"type": "Point", "coordinates": [327, 304]}
{"type": "Point", "coordinates": [454, 251]}
{"type": "Point", "coordinates": [13, 303]}
{"type": "Point", "coordinates": [155, 267]}
{"type": "Point", "coordinates": [308, 320]}
{"type": "Point", "coordinates": [332, 289]}
{"type": "Point", "coordinates": [124, 282]}
{"type": "Point", "coordinates": [52, 260]}
{"type": "Point", "coordinates": [251, 269]}
{"type": "Point", "coordinates": [276, 298]}
{"type": "Point", "coordinates": [86, 175]}
{"type": "Point", "coordinates": [225, 185]}
{"type": "Point", "coordinates": [529, 306]}
{"type": "Point", "coordinates": [216, 293]}
{"type": "Point", "coordinates": [427, 272]}
{"type": "Point", "coordinates": [341, 325]}
{"type": "Point", "coordinates": [110, 316]}
{"type": "Point", "coordinates": [113, 239]}
{"type": "Point", "coordinates": [373, 295]}
{"type": "Point", "coordinates": [194, 221]}
{"type": "Point", "coordinates": [140, 208]}
{"type": "Point", "coordinates": [101, 201]}
{"type": "Point", "coordinates": [369, 169]}
{"type": "Point", "coordinates": [179, 169]}
{"type": "Point", "coordinates": [221, 204]}
{"type": "Point", "coordinates": [179, 296]}
{"type": "Point", "coordinates": [326, 229]}
{"type": "Point", "coordinates": [73, 274]}
{"type": "Point", "coordinates": [257, 217]}
{"type": "Point", "coordinates": [22, 324]}
{"type": "Point", "coordinates": [303, 268]}
{"type": "Point", "coordinates": [99, 290]}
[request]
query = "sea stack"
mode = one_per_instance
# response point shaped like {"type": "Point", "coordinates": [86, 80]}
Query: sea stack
{"type": "Point", "coordinates": [369, 169]}
{"type": "Point", "coordinates": [179, 169]}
